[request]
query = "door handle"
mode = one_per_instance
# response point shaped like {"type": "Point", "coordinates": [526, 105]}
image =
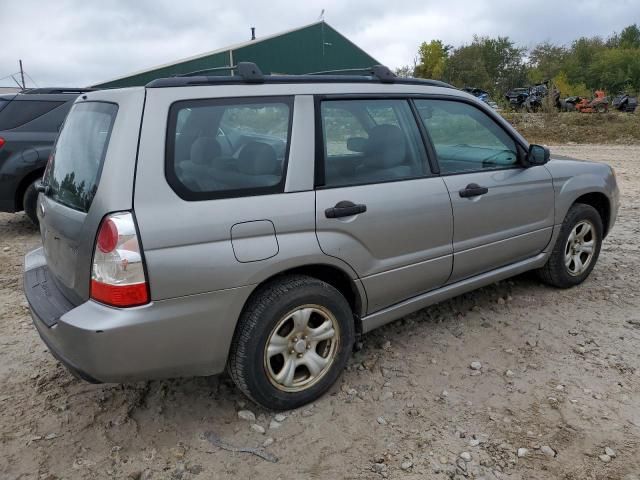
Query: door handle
{"type": "Point", "coordinates": [473, 190]}
{"type": "Point", "coordinates": [344, 209]}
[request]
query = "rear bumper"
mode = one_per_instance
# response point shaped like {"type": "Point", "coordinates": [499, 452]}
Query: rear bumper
{"type": "Point", "coordinates": [185, 336]}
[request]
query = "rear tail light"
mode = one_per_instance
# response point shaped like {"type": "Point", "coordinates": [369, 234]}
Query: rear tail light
{"type": "Point", "coordinates": [117, 276]}
{"type": "Point", "coordinates": [2, 142]}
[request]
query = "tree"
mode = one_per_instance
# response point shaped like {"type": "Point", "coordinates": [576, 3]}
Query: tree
{"type": "Point", "coordinates": [546, 61]}
{"type": "Point", "coordinates": [405, 71]}
{"type": "Point", "coordinates": [494, 64]}
{"type": "Point", "coordinates": [432, 59]}
{"type": "Point", "coordinates": [616, 69]}
{"type": "Point", "coordinates": [630, 37]}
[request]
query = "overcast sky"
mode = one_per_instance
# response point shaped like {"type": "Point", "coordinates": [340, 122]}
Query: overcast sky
{"type": "Point", "coordinates": [77, 43]}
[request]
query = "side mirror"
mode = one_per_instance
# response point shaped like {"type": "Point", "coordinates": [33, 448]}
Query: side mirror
{"type": "Point", "coordinates": [356, 144]}
{"type": "Point", "coordinates": [537, 155]}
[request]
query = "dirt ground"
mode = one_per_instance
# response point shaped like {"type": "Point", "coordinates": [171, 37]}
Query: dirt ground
{"type": "Point", "coordinates": [559, 377]}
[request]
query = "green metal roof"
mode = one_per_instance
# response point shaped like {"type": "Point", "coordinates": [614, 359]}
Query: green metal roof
{"type": "Point", "coordinates": [312, 48]}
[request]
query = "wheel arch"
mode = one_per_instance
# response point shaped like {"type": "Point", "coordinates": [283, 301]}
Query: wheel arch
{"type": "Point", "coordinates": [335, 276]}
{"type": "Point", "coordinates": [601, 203]}
{"type": "Point", "coordinates": [23, 185]}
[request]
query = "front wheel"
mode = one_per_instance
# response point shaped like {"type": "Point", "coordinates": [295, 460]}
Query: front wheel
{"type": "Point", "coordinates": [292, 342]}
{"type": "Point", "coordinates": [577, 248]}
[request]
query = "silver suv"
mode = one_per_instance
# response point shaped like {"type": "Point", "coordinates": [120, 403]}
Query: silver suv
{"type": "Point", "coordinates": [260, 224]}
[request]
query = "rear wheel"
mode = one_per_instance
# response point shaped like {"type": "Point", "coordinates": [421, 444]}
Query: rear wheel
{"type": "Point", "coordinates": [30, 202]}
{"type": "Point", "coordinates": [292, 342]}
{"type": "Point", "coordinates": [577, 248]}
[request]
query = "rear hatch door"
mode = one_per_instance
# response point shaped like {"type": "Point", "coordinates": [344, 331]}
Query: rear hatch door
{"type": "Point", "coordinates": [90, 174]}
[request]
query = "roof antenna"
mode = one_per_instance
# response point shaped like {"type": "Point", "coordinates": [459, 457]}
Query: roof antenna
{"type": "Point", "coordinates": [321, 17]}
{"type": "Point", "coordinates": [253, 33]}
{"type": "Point", "coordinates": [24, 85]}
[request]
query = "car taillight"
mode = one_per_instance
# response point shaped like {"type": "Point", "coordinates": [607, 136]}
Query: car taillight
{"type": "Point", "coordinates": [2, 142]}
{"type": "Point", "coordinates": [117, 275]}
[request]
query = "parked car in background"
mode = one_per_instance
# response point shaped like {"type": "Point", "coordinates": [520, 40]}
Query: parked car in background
{"type": "Point", "coordinates": [260, 223]}
{"type": "Point", "coordinates": [29, 124]}
{"type": "Point", "coordinates": [516, 97]}
{"type": "Point", "coordinates": [482, 95]}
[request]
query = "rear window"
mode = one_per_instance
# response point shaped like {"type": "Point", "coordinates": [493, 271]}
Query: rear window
{"type": "Point", "coordinates": [228, 147]}
{"type": "Point", "coordinates": [79, 153]}
{"type": "Point", "coordinates": [19, 112]}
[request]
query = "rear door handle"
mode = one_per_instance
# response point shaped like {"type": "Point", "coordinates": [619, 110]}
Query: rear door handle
{"type": "Point", "coordinates": [344, 209]}
{"type": "Point", "coordinates": [473, 190]}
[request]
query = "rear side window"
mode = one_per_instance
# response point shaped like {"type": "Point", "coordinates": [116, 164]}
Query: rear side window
{"type": "Point", "coordinates": [79, 153]}
{"type": "Point", "coordinates": [19, 112]}
{"type": "Point", "coordinates": [228, 147]}
{"type": "Point", "coordinates": [370, 141]}
{"type": "Point", "coordinates": [3, 103]}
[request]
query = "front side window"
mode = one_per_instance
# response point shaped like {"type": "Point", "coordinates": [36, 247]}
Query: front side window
{"type": "Point", "coordinates": [465, 138]}
{"type": "Point", "coordinates": [370, 141]}
{"type": "Point", "coordinates": [226, 148]}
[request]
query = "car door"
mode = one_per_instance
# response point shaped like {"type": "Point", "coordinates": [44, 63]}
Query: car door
{"type": "Point", "coordinates": [378, 207]}
{"type": "Point", "coordinates": [503, 212]}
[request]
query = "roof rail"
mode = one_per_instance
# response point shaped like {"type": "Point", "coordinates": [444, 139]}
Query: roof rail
{"type": "Point", "coordinates": [381, 72]}
{"type": "Point", "coordinates": [57, 90]}
{"type": "Point", "coordinates": [248, 71]}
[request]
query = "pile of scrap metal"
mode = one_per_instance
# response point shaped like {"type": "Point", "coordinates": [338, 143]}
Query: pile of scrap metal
{"type": "Point", "coordinates": [625, 103]}
{"type": "Point", "coordinates": [527, 98]}
{"type": "Point", "coordinates": [482, 95]}
{"type": "Point", "coordinates": [599, 103]}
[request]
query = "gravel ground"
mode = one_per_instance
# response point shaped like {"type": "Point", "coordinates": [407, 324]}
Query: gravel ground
{"type": "Point", "coordinates": [555, 392]}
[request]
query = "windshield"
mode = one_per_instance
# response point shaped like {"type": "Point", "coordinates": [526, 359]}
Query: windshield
{"type": "Point", "coordinates": [74, 172]}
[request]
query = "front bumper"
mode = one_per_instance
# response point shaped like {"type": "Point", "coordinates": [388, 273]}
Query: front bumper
{"type": "Point", "coordinates": [184, 336]}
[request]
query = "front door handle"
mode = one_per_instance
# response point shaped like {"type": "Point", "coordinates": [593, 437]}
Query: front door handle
{"type": "Point", "coordinates": [344, 209]}
{"type": "Point", "coordinates": [473, 190]}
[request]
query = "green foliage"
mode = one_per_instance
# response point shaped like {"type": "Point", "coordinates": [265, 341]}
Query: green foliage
{"type": "Point", "coordinates": [433, 58]}
{"type": "Point", "coordinates": [493, 64]}
{"type": "Point", "coordinates": [545, 62]}
{"type": "Point", "coordinates": [497, 64]}
{"type": "Point", "coordinates": [568, 89]}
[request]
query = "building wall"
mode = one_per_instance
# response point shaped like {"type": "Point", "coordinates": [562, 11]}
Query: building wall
{"type": "Point", "coordinates": [314, 48]}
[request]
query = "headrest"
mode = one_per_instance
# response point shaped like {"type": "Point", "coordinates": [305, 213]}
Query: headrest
{"type": "Point", "coordinates": [386, 147]}
{"type": "Point", "coordinates": [204, 150]}
{"type": "Point", "coordinates": [257, 158]}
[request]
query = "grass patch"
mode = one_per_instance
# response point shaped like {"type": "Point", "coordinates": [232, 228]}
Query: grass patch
{"type": "Point", "coordinates": [556, 128]}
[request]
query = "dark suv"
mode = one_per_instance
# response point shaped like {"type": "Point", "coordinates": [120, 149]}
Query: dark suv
{"type": "Point", "coordinates": [29, 123]}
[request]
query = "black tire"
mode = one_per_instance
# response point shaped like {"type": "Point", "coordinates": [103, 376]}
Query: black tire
{"type": "Point", "coordinates": [261, 315]}
{"type": "Point", "coordinates": [30, 202]}
{"type": "Point", "coordinates": [555, 272]}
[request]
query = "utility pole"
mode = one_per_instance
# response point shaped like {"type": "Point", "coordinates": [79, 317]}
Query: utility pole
{"type": "Point", "coordinates": [22, 75]}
